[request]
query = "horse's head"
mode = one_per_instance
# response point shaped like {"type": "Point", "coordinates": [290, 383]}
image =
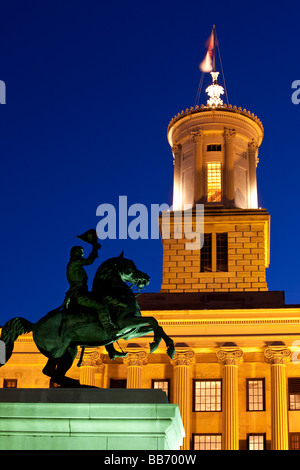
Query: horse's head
{"type": "Point", "coordinates": [125, 269]}
{"type": "Point", "coordinates": [129, 272]}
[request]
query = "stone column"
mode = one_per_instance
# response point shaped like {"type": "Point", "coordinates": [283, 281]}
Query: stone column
{"type": "Point", "coordinates": [135, 361]}
{"type": "Point", "coordinates": [229, 135]}
{"type": "Point", "coordinates": [176, 149]}
{"type": "Point", "coordinates": [91, 358]}
{"type": "Point", "coordinates": [252, 157]}
{"type": "Point", "coordinates": [198, 166]}
{"type": "Point", "coordinates": [277, 356]}
{"type": "Point", "coordinates": [230, 358]}
{"type": "Point", "coordinates": [182, 390]}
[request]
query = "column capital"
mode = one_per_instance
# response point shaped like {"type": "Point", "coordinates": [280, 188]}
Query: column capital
{"type": "Point", "coordinates": [229, 134]}
{"type": "Point", "coordinates": [183, 358]}
{"type": "Point", "coordinates": [277, 354]}
{"type": "Point", "coordinates": [197, 135]}
{"type": "Point", "coordinates": [176, 150]}
{"type": "Point", "coordinates": [252, 146]}
{"type": "Point", "coordinates": [230, 355]}
{"type": "Point", "coordinates": [91, 357]}
{"type": "Point", "coordinates": [136, 358]}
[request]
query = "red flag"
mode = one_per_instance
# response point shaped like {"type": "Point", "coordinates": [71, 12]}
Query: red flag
{"type": "Point", "coordinates": [207, 64]}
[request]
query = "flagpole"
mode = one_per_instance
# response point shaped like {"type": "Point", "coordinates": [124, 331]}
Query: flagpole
{"type": "Point", "coordinates": [214, 56]}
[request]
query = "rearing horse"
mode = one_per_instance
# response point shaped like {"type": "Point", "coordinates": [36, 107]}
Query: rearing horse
{"type": "Point", "coordinates": [58, 334]}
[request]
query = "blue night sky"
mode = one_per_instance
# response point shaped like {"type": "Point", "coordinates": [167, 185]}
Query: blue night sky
{"type": "Point", "coordinates": [91, 87]}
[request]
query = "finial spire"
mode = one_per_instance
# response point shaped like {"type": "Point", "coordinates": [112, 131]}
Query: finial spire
{"type": "Point", "coordinates": [214, 91]}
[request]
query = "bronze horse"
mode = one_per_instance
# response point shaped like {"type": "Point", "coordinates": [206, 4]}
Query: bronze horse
{"type": "Point", "coordinates": [59, 333]}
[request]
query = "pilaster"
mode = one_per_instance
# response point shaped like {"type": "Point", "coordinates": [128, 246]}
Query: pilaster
{"type": "Point", "coordinates": [198, 166]}
{"type": "Point", "coordinates": [252, 156]}
{"type": "Point", "coordinates": [176, 149]}
{"type": "Point", "coordinates": [229, 135]}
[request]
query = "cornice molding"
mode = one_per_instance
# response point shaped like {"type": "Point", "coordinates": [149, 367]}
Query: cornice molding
{"type": "Point", "coordinates": [193, 113]}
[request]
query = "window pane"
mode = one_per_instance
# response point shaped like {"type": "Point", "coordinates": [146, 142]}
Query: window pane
{"type": "Point", "coordinates": [256, 395]}
{"type": "Point", "coordinates": [206, 254]}
{"type": "Point", "coordinates": [222, 252]}
{"type": "Point", "coordinates": [295, 401]}
{"type": "Point", "coordinates": [10, 383]}
{"type": "Point", "coordinates": [256, 442]}
{"type": "Point", "coordinates": [207, 442]}
{"type": "Point", "coordinates": [207, 395]}
{"type": "Point", "coordinates": [294, 441]}
{"type": "Point", "coordinates": [161, 384]}
{"type": "Point", "coordinates": [214, 192]}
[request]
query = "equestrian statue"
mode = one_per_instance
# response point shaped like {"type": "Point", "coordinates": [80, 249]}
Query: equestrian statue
{"type": "Point", "coordinates": [86, 319]}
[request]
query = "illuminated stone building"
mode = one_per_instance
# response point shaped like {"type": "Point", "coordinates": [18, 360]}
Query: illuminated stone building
{"type": "Point", "coordinates": [235, 375]}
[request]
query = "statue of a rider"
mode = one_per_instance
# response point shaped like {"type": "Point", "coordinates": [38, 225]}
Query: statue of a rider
{"type": "Point", "coordinates": [78, 278]}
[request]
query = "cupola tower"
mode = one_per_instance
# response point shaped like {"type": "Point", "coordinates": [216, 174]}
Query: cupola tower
{"type": "Point", "coordinates": [215, 154]}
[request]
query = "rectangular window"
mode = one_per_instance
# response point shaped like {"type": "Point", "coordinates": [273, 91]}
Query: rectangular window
{"type": "Point", "coordinates": [256, 441]}
{"type": "Point", "coordinates": [207, 395]}
{"type": "Point", "coordinates": [255, 394]}
{"type": "Point", "coordinates": [207, 441]}
{"type": "Point", "coordinates": [214, 178]}
{"type": "Point", "coordinates": [294, 441]}
{"type": "Point", "coordinates": [214, 148]}
{"type": "Point", "coordinates": [222, 252]}
{"type": "Point", "coordinates": [10, 383]}
{"type": "Point", "coordinates": [163, 385]}
{"type": "Point", "coordinates": [206, 254]}
{"type": "Point", "coordinates": [294, 393]}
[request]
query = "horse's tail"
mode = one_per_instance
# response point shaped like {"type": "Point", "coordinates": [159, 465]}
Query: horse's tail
{"type": "Point", "coordinates": [10, 332]}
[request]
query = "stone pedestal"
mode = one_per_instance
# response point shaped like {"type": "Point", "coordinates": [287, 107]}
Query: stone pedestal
{"type": "Point", "coordinates": [88, 419]}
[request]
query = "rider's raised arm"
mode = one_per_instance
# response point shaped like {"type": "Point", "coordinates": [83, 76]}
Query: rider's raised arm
{"type": "Point", "coordinates": [92, 256]}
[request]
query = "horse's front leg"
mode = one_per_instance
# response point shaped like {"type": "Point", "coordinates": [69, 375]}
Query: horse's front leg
{"type": "Point", "coordinates": [169, 342]}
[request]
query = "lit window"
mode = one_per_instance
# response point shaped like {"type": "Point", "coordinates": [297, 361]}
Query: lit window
{"type": "Point", "coordinates": [294, 393]}
{"type": "Point", "coordinates": [214, 190]}
{"type": "Point", "coordinates": [207, 395]}
{"type": "Point", "coordinates": [256, 442]}
{"type": "Point", "coordinates": [256, 392]}
{"type": "Point", "coordinates": [207, 441]}
{"type": "Point", "coordinates": [162, 384]}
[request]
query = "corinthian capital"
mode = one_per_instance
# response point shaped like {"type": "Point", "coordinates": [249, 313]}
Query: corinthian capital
{"type": "Point", "coordinates": [183, 358]}
{"type": "Point", "coordinates": [230, 355]}
{"type": "Point", "coordinates": [197, 136]}
{"type": "Point", "coordinates": [229, 134]}
{"type": "Point", "coordinates": [176, 150]}
{"type": "Point", "coordinates": [277, 354]}
{"type": "Point", "coordinates": [252, 146]}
